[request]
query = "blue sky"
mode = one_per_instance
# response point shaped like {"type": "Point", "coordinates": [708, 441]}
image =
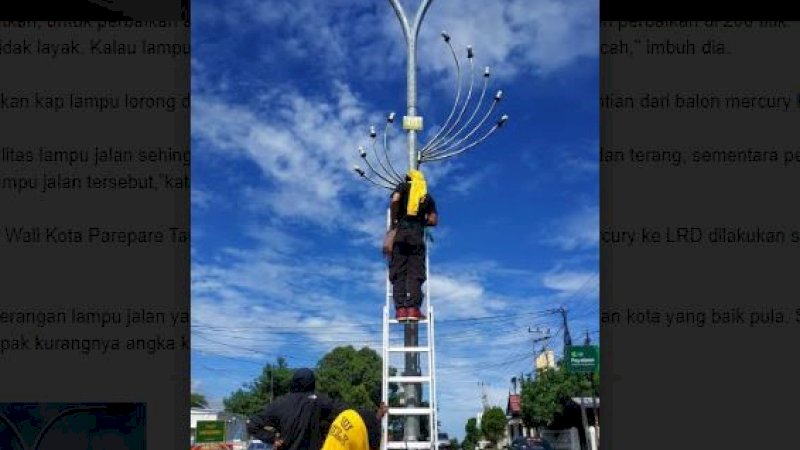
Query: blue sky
{"type": "Point", "coordinates": [285, 249]}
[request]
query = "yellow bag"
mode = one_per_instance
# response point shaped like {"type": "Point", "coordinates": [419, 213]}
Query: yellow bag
{"type": "Point", "coordinates": [419, 189]}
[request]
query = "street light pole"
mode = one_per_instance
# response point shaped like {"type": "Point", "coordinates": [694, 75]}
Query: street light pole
{"type": "Point", "coordinates": [450, 141]}
{"type": "Point", "coordinates": [412, 123]}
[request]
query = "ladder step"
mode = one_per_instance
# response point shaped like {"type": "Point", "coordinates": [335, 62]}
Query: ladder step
{"type": "Point", "coordinates": [409, 411]}
{"type": "Point", "coordinates": [405, 321]}
{"type": "Point", "coordinates": [402, 379]}
{"type": "Point", "coordinates": [409, 349]}
{"type": "Point", "coordinates": [400, 445]}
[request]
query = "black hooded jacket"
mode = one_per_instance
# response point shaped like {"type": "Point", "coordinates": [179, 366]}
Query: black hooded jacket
{"type": "Point", "coordinates": [296, 418]}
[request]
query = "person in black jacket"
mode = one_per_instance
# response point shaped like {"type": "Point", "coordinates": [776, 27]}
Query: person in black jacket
{"type": "Point", "coordinates": [299, 419]}
{"type": "Point", "coordinates": [412, 209]}
{"type": "Point", "coordinates": [293, 421]}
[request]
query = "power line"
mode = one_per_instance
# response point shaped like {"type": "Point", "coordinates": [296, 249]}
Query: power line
{"type": "Point", "coordinates": [293, 329]}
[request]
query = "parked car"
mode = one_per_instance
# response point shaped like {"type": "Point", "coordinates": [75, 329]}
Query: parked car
{"type": "Point", "coordinates": [530, 443]}
{"type": "Point", "coordinates": [255, 444]}
{"type": "Point", "coordinates": [444, 441]}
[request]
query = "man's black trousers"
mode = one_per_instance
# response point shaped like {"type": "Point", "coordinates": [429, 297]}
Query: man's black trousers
{"type": "Point", "coordinates": [407, 273]}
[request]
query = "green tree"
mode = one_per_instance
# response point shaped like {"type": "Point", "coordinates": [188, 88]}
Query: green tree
{"type": "Point", "coordinates": [543, 399]}
{"type": "Point", "coordinates": [453, 443]}
{"type": "Point", "coordinates": [493, 425]}
{"type": "Point", "coordinates": [354, 376]}
{"type": "Point", "coordinates": [198, 401]}
{"type": "Point", "coordinates": [273, 382]}
{"type": "Point", "coordinates": [243, 401]}
{"type": "Point", "coordinates": [472, 435]}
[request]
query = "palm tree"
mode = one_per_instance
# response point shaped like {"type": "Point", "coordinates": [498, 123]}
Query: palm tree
{"type": "Point", "coordinates": [199, 401]}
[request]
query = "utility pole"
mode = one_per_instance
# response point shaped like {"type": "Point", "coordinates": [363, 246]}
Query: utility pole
{"type": "Point", "coordinates": [567, 337]}
{"type": "Point", "coordinates": [595, 412]}
{"type": "Point", "coordinates": [484, 396]}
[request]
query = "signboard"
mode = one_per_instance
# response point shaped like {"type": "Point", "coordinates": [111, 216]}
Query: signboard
{"type": "Point", "coordinates": [210, 431]}
{"type": "Point", "coordinates": [412, 123]}
{"type": "Point", "coordinates": [583, 359]}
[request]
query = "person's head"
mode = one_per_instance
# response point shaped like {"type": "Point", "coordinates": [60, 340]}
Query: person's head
{"type": "Point", "coordinates": [303, 380]}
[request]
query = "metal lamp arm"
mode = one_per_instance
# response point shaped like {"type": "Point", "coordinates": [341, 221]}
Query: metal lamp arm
{"type": "Point", "coordinates": [462, 150]}
{"type": "Point", "coordinates": [396, 178]}
{"type": "Point", "coordinates": [447, 134]}
{"type": "Point", "coordinates": [434, 148]}
{"type": "Point", "coordinates": [440, 151]}
{"type": "Point", "coordinates": [386, 147]}
{"type": "Point", "coordinates": [455, 103]}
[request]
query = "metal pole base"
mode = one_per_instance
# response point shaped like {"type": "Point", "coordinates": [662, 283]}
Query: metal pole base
{"type": "Point", "coordinates": [413, 391]}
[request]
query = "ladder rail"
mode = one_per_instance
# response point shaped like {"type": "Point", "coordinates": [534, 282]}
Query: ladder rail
{"type": "Point", "coordinates": [431, 401]}
{"type": "Point", "coordinates": [433, 418]}
{"type": "Point", "coordinates": [432, 371]}
{"type": "Point", "coordinates": [385, 351]}
{"type": "Point", "coordinates": [385, 380]}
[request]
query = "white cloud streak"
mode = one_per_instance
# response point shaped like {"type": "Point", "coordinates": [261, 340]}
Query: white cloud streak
{"type": "Point", "coordinates": [577, 231]}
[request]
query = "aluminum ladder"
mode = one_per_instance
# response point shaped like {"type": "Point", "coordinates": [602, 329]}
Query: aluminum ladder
{"type": "Point", "coordinates": [429, 352]}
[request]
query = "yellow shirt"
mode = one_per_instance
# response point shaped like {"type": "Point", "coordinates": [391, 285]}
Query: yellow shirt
{"type": "Point", "coordinates": [347, 432]}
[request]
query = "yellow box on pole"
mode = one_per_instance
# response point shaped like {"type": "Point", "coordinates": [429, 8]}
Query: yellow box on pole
{"type": "Point", "coordinates": [412, 123]}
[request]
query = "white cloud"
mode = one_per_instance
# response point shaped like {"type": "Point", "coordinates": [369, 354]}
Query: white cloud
{"type": "Point", "coordinates": [516, 37]}
{"type": "Point", "coordinates": [202, 199]}
{"type": "Point", "coordinates": [579, 161]}
{"type": "Point", "coordinates": [304, 150]}
{"type": "Point", "coordinates": [571, 283]}
{"type": "Point", "coordinates": [577, 231]}
{"type": "Point", "coordinates": [460, 297]}
{"type": "Point", "coordinates": [463, 184]}
{"type": "Point", "coordinates": [257, 301]}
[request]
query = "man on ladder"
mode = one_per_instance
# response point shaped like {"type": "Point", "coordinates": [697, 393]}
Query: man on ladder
{"type": "Point", "coordinates": [412, 209]}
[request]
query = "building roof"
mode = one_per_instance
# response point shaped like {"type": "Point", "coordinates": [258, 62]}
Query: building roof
{"type": "Point", "coordinates": [588, 402]}
{"type": "Point", "coordinates": [206, 410]}
{"type": "Point", "coordinates": [514, 406]}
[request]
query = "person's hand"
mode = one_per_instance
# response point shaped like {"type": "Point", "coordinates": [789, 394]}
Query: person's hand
{"type": "Point", "coordinates": [382, 410]}
{"type": "Point", "coordinates": [277, 444]}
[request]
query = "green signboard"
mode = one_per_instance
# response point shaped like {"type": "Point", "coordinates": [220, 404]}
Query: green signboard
{"type": "Point", "coordinates": [209, 431]}
{"type": "Point", "coordinates": [583, 359]}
